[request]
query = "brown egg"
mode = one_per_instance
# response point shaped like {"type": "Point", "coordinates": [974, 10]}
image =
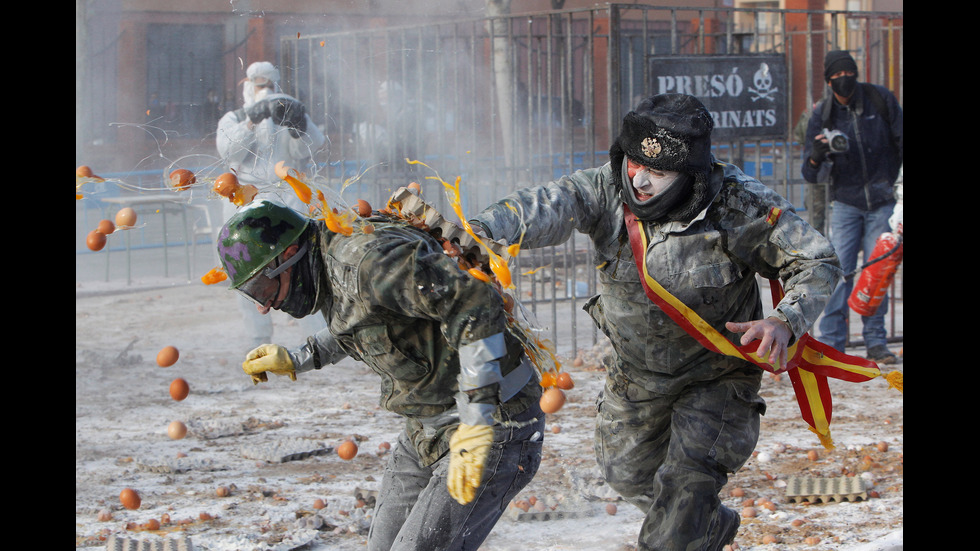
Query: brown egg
{"type": "Point", "coordinates": [812, 455]}
{"type": "Point", "coordinates": [179, 389]}
{"type": "Point", "coordinates": [552, 400]}
{"type": "Point", "coordinates": [95, 241]}
{"type": "Point", "coordinates": [226, 184]}
{"type": "Point", "coordinates": [130, 499]}
{"type": "Point", "coordinates": [152, 524]}
{"type": "Point", "coordinates": [415, 188]}
{"type": "Point", "coordinates": [84, 171]}
{"type": "Point", "coordinates": [565, 381]}
{"type": "Point", "coordinates": [126, 217]}
{"type": "Point", "coordinates": [363, 208]}
{"type": "Point", "coordinates": [319, 504]}
{"type": "Point", "coordinates": [167, 356]}
{"type": "Point", "coordinates": [222, 491]}
{"type": "Point", "coordinates": [182, 178]}
{"type": "Point", "coordinates": [105, 227]}
{"type": "Point", "coordinates": [176, 430]}
{"type": "Point", "coordinates": [347, 450]}
{"type": "Point", "coordinates": [611, 508]}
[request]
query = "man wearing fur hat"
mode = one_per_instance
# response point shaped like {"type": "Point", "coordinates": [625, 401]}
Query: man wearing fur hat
{"type": "Point", "coordinates": [675, 418]}
{"type": "Point", "coordinates": [863, 170]}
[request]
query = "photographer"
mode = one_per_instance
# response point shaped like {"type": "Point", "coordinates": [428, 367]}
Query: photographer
{"type": "Point", "coordinates": [863, 154]}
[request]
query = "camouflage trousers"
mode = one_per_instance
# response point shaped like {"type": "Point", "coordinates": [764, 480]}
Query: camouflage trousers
{"type": "Point", "coordinates": [671, 455]}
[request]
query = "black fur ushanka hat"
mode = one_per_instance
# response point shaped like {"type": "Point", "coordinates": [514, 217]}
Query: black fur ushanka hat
{"type": "Point", "coordinates": [668, 132]}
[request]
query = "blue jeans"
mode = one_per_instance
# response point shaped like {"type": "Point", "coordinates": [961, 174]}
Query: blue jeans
{"type": "Point", "coordinates": [414, 510]}
{"type": "Point", "coordinates": [851, 231]}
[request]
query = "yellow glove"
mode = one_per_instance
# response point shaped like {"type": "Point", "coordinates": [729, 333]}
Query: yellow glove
{"type": "Point", "coordinates": [270, 358]}
{"type": "Point", "coordinates": [468, 450]}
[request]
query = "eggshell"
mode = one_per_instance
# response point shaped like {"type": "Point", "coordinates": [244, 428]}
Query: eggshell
{"type": "Point", "coordinates": [176, 430]}
{"type": "Point", "coordinates": [182, 178]}
{"type": "Point", "coordinates": [95, 241]}
{"type": "Point", "coordinates": [415, 188]}
{"type": "Point", "coordinates": [84, 171]}
{"type": "Point", "coordinates": [363, 208]}
{"type": "Point", "coordinates": [105, 227]}
{"type": "Point", "coordinates": [226, 184]}
{"type": "Point", "coordinates": [179, 389]}
{"type": "Point", "coordinates": [347, 450]}
{"type": "Point", "coordinates": [126, 217]}
{"type": "Point", "coordinates": [319, 504]}
{"type": "Point", "coordinates": [130, 498]}
{"type": "Point", "coordinates": [564, 381]}
{"type": "Point", "coordinates": [552, 400]}
{"type": "Point", "coordinates": [167, 356]}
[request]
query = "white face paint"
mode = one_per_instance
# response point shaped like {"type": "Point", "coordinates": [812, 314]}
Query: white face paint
{"type": "Point", "coordinates": [649, 182]}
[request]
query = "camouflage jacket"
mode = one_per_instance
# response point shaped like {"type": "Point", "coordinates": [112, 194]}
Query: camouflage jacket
{"type": "Point", "coordinates": [710, 264]}
{"type": "Point", "coordinates": [397, 302]}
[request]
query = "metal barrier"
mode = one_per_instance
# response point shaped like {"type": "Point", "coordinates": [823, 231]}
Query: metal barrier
{"type": "Point", "coordinates": [507, 102]}
{"type": "Point", "coordinates": [511, 101]}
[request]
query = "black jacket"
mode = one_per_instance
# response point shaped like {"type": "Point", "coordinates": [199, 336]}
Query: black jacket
{"type": "Point", "coordinates": [864, 175]}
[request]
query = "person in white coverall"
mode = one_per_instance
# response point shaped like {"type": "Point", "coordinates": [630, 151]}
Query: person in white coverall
{"type": "Point", "coordinates": [269, 127]}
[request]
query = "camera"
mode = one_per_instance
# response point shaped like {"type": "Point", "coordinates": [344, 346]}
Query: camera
{"type": "Point", "coordinates": [838, 140]}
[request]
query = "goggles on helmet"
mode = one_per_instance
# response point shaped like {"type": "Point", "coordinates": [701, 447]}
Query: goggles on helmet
{"type": "Point", "coordinates": [264, 286]}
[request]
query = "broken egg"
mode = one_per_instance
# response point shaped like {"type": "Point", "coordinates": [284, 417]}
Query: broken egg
{"type": "Point", "coordinates": [182, 178]}
{"type": "Point", "coordinates": [179, 389]}
{"type": "Point", "coordinates": [167, 356]}
{"type": "Point", "coordinates": [226, 184]}
{"type": "Point", "coordinates": [363, 208]}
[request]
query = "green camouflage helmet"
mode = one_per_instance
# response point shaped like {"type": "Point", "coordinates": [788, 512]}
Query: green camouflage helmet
{"type": "Point", "coordinates": [255, 236]}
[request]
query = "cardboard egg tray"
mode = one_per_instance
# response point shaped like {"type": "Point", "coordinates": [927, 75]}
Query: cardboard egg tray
{"type": "Point", "coordinates": [825, 490]}
{"type": "Point", "coordinates": [281, 451]}
{"type": "Point", "coordinates": [175, 464]}
{"type": "Point", "coordinates": [176, 543]}
{"type": "Point", "coordinates": [414, 205]}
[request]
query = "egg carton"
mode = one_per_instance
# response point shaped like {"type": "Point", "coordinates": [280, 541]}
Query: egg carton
{"type": "Point", "coordinates": [175, 464]}
{"type": "Point", "coordinates": [825, 490]}
{"type": "Point", "coordinates": [538, 516]}
{"type": "Point", "coordinates": [281, 451]}
{"type": "Point", "coordinates": [437, 224]}
{"type": "Point", "coordinates": [369, 497]}
{"type": "Point", "coordinates": [176, 543]}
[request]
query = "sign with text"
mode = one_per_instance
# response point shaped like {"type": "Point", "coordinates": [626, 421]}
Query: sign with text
{"type": "Point", "coordinates": [745, 94]}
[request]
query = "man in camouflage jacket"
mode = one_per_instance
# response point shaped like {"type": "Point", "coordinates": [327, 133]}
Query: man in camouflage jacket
{"type": "Point", "coordinates": [438, 339]}
{"type": "Point", "coordinates": [674, 418]}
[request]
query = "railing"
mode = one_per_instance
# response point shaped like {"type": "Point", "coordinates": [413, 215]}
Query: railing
{"type": "Point", "coordinates": [513, 101]}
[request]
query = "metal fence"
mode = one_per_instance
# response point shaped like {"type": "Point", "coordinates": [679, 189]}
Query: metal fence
{"type": "Point", "coordinates": [512, 101]}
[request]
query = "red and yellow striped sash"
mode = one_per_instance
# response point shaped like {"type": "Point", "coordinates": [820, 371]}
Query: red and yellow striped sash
{"type": "Point", "coordinates": [811, 361]}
